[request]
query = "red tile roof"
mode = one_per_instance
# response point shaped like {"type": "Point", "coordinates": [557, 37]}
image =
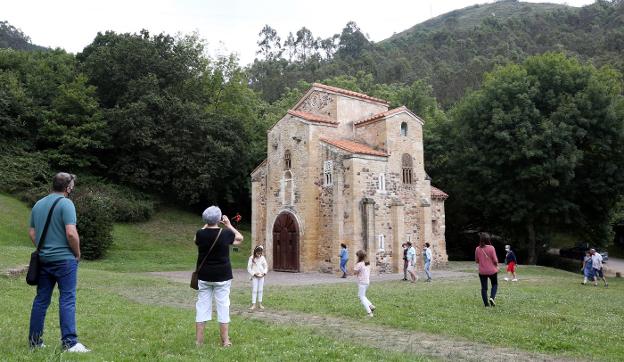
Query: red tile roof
{"type": "Point", "coordinates": [350, 93]}
{"type": "Point", "coordinates": [436, 193]}
{"type": "Point", "coordinates": [379, 116]}
{"type": "Point", "coordinates": [311, 117]}
{"type": "Point", "coordinates": [354, 147]}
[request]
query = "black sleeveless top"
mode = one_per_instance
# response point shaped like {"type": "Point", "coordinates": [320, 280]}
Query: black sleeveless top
{"type": "Point", "coordinates": [217, 267]}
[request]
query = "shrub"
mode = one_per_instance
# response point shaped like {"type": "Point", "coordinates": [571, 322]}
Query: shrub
{"type": "Point", "coordinates": [128, 205]}
{"type": "Point", "coordinates": [26, 175]}
{"type": "Point", "coordinates": [95, 222]}
{"type": "Point", "coordinates": [556, 261]}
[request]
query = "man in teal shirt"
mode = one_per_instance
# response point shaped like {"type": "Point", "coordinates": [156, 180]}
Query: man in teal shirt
{"type": "Point", "coordinates": [59, 258]}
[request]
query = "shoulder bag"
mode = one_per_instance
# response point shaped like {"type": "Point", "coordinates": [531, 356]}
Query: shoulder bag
{"type": "Point", "coordinates": [194, 276]}
{"type": "Point", "coordinates": [32, 276]}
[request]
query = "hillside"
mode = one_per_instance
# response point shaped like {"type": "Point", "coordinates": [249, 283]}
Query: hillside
{"type": "Point", "coordinates": [453, 50]}
{"type": "Point", "coordinates": [14, 38]}
{"type": "Point", "coordinates": [469, 17]}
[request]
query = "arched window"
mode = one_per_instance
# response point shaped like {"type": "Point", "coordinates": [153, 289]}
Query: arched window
{"type": "Point", "coordinates": [328, 169]}
{"type": "Point", "coordinates": [381, 185]}
{"type": "Point", "coordinates": [288, 195]}
{"type": "Point", "coordinates": [404, 129]}
{"type": "Point", "coordinates": [287, 161]}
{"type": "Point", "coordinates": [406, 162]}
{"type": "Point", "coordinates": [382, 242]}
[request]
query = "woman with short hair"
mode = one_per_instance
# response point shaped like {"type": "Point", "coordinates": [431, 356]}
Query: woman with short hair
{"type": "Point", "coordinates": [215, 274]}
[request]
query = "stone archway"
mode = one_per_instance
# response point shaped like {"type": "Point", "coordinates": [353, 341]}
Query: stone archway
{"type": "Point", "coordinates": [286, 243]}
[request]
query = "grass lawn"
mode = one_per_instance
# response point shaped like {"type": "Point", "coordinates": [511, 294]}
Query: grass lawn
{"type": "Point", "coordinates": [130, 316]}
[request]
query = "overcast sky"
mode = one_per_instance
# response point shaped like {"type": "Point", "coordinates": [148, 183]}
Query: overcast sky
{"type": "Point", "coordinates": [229, 26]}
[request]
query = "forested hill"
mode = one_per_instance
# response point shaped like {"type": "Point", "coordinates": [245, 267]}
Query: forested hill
{"type": "Point", "coordinates": [452, 51]}
{"type": "Point", "coordinates": [14, 38]}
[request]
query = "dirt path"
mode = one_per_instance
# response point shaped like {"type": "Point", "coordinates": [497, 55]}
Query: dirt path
{"type": "Point", "coordinates": [359, 332]}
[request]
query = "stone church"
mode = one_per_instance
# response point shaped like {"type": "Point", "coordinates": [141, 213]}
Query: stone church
{"type": "Point", "coordinates": [343, 168]}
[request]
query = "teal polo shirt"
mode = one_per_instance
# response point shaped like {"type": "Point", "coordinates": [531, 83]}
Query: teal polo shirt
{"type": "Point", "coordinates": [55, 247]}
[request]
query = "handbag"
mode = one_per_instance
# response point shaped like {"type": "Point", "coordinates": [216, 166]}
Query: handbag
{"type": "Point", "coordinates": [32, 276]}
{"type": "Point", "coordinates": [194, 276]}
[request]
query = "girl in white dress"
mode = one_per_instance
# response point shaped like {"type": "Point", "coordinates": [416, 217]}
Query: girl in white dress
{"type": "Point", "coordinates": [257, 268]}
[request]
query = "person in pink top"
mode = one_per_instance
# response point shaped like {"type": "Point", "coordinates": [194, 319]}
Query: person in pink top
{"type": "Point", "coordinates": [362, 272]}
{"type": "Point", "coordinates": [485, 256]}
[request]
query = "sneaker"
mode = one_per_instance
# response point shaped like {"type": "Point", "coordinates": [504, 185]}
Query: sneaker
{"type": "Point", "coordinates": [34, 347]}
{"type": "Point", "coordinates": [514, 280]}
{"type": "Point", "coordinates": [253, 307]}
{"type": "Point", "coordinates": [78, 348]}
{"type": "Point", "coordinates": [492, 302]}
{"type": "Point", "coordinates": [428, 280]}
{"type": "Point", "coordinates": [260, 306]}
{"type": "Point", "coordinates": [370, 315]}
{"type": "Point", "coordinates": [506, 279]}
{"type": "Point", "coordinates": [372, 308]}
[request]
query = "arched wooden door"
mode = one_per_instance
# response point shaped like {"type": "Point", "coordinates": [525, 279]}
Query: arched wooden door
{"type": "Point", "coordinates": [286, 243]}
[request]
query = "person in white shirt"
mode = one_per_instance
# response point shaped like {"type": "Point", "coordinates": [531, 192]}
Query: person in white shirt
{"type": "Point", "coordinates": [597, 266]}
{"type": "Point", "coordinates": [257, 267]}
{"type": "Point", "coordinates": [428, 257]}
{"type": "Point", "coordinates": [411, 262]}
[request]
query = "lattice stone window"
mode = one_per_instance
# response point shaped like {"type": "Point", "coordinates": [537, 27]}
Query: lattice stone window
{"type": "Point", "coordinates": [328, 171]}
{"type": "Point", "coordinates": [381, 239]}
{"type": "Point", "coordinates": [381, 183]}
{"type": "Point", "coordinates": [404, 129]}
{"type": "Point", "coordinates": [287, 160]}
{"type": "Point", "coordinates": [406, 161]}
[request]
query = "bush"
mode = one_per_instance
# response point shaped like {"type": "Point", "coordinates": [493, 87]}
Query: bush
{"type": "Point", "coordinates": [26, 175]}
{"type": "Point", "coordinates": [556, 261]}
{"type": "Point", "coordinates": [128, 205]}
{"type": "Point", "coordinates": [95, 222]}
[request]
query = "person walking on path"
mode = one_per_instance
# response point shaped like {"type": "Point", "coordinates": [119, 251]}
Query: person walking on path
{"type": "Point", "coordinates": [485, 256]}
{"type": "Point", "coordinates": [59, 257]}
{"type": "Point", "coordinates": [344, 257]}
{"type": "Point", "coordinates": [214, 272]}
{"type": "Point", "coordinates": [362, 271]}
{"type": "Point", "coordinates": [510, 260]}
{"type": "Point", "coordinates": [588, 271]}
{"type": "Point", "coordinates": [428, 257]}
{"type": "Point", "coordinates": [411, 262]}
{"type": "Point", "coordinates": [257, 267]}
{"type": "Point", "coordinates": [598, 269]}
{"type": "Point", "coordinates": [405, 263]}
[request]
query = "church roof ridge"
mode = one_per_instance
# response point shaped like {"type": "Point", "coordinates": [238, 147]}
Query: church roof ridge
{"type": "Point", "coordinates": [382, 115]}
{"type": "Point", "coordinates": [311, 117]}
{"type": "Point", "coordinates": [437, 193]}
{"type": "Point", "coordinates": [353, 147]}
{"type": "Point", "coordinates": [350, 93]}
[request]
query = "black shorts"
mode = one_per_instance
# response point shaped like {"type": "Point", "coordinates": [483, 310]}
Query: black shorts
{"type": "Point", "coordinates": [598, 273]}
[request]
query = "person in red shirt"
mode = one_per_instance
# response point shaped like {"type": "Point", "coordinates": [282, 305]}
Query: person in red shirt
{"type": "Point", "coordinates": [237, 218]}
{"type": "Point", "coordinates": [485, 256]}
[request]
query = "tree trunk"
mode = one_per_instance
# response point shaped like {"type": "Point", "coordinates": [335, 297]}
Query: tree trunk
{"type": "Point", "coordinates": [531, 243]}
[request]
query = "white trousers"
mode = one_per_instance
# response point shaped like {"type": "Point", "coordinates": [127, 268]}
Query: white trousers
{"type": "Point", "coordinates": [362, 294]}
{"type": "Point", "coordinates": [221, 293]}
{"type": "Point", "coordinates": [257, 284]}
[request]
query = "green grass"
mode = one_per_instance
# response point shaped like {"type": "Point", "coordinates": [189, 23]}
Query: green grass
{"type": "Point", "coordinates": [123, 330]}
{"type": "Point", "coordinates": [548, 311]}
{"type": "Point", "coordinates": [127, 316]}
{"type": "Point", "coordinates": [162, 244]}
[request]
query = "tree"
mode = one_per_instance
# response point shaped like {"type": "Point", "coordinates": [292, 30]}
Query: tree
{"type": "Point", "coordinates": [538, 147]}
{"type": "Point", "coordinates": [269, 43]}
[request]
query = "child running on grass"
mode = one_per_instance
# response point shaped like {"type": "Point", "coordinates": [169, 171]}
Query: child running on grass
{"type": "Point", "coordinates": [588, 271]}
{"type": "Point", "coordinates": [362, 272]}
{"type": "Point", "coordinates": [510, 259]}
{"type": "Point", "coordinates": [257, 267]}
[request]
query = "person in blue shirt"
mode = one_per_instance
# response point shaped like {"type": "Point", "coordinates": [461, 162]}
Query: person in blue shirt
{"type": "Point", "coordinates": [344, 257]}
{"type": "Point", "coordinates": [59, 258]}
{"type": "Point", "coordinates": [510, 260]}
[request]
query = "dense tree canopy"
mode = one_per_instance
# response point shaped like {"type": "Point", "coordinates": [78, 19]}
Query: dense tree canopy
{"type": "Point", "coordinates": [539, 148]}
